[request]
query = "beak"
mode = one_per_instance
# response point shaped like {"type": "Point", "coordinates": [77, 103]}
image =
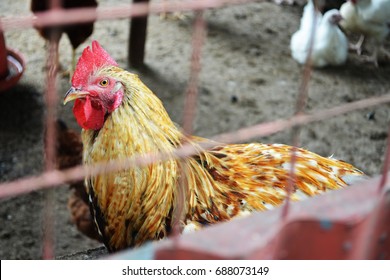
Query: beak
{"type": "Point", "coordinates": [73, 94]}
{"type": "Point", "coordinates": [339, 18]}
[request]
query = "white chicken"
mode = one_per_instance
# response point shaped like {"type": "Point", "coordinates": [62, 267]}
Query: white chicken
{"type": "Point", "coordinates": [370, 19]}
{"type": "Point", "coordinates": [310, 15]}
{"type": "Point", "coordinates": [330, 45]}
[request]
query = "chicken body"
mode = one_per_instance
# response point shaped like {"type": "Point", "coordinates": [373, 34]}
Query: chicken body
{"type": "Point", "coordinates": [136, 205]}
{"type": "Point", "coordinates": [311, 15]}
{"type": "Point", "coordinates": [330, 45]}
{"type": "Point", "coordinates": [77, 33]}
{"type": "Point", "coordinates": [371, 19]}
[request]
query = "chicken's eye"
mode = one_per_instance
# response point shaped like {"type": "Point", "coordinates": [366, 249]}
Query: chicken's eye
{"type": "Point", "coordinates": [104, 82]}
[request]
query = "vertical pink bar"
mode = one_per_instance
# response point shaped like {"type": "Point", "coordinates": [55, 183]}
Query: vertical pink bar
{"type": "Point", "coordinates": [50, 137]}
{"type": "Point", "coordinates": [50, 153]}
{"type": "Point", "coordinates": [190, 110]}
{"type": "Point", "coordinates": [299, 109]}
{"type": "Point", "coordinates": [192, 89]}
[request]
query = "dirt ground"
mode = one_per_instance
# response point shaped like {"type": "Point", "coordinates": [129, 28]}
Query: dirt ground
{"type": "Point", "coordinates": [247, 77]}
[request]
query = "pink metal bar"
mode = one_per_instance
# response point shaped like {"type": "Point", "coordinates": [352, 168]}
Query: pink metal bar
{"type": "Point", "coordinates": [302, 97]}
{"type": "Point", "coordinates": [56, 177]}
{"type": "Point", "coordinates": [190, 104]}
{"type": "Point", "coordinates": [191, 97]}
{"type": "Point", "coordinates": [63, 17]}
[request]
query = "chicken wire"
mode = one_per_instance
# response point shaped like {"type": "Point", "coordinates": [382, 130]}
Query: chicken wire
{"type": "Point", "coordinates": [282, 223]}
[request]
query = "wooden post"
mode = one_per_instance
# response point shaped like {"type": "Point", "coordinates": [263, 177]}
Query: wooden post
{"type": "Point", "coordinates": [137, 39]}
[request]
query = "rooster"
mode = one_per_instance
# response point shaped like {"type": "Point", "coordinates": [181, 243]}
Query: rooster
{"type": "Point", "coordinates": [122, 118]}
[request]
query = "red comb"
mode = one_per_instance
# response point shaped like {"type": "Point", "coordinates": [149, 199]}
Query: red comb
{"type": "Point", "coordinates": [90, 60]}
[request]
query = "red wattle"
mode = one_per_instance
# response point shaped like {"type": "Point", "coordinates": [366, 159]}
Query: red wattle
{"type": "Point", "coordinates": [89, 114]}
